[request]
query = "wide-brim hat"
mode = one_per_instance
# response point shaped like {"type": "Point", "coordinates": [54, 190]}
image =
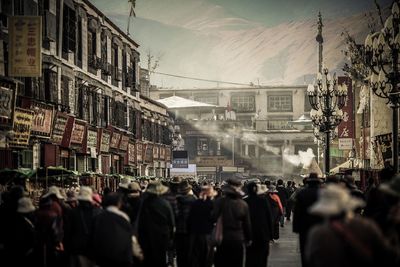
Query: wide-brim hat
{"type": "Point", "coordinates": [313, 178]}
{"type": "Point", "coordinates": [157, 188]}
{"type": "Point", "coordinates": [176, 180]}
{"type": "Point", "coordinates": [334, 200]}
{"type": "Point", "coordinates": [261, 189]}
{"type": "Point", "coordinates": [234, 181]}
{"type": "Point", "coordinates": [134, 187]}
{"type": "Point", "coordinates": [392, 187]}
{"type": "Point", "coordinates": [85, 194]}
{"type": "Point", "coordinates": [184, 187]}
{"type": "Point", "coordinates": [124, 182]}
{"type": "Point", "coordinates": [53, 190]}
{"type": "Point", "coordinates": [25, 205]}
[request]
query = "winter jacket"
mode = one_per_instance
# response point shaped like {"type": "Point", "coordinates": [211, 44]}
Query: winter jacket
{"type": "Point", "coordinates": [235, 216]}
{"type": "Point", "coordinates": [184, 205]}
{"type": "Point", "coordinates": [261, 219]}
{"type": "Point", "coordinates": [200, 217]}
{"type": "Point", "coordinates": [283, 195]}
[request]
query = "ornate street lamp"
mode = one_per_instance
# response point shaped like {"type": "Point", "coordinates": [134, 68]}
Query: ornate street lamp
{"type": "Point", "coordinates": [381, 56]}
{"type": "Point", "coordinates": [327, 99]}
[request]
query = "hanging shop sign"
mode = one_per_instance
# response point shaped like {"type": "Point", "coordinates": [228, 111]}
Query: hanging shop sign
{"type": "Point", "coordinates": [25, 43]}
{"type": "Point", "coordinates": [66, 140]}
{"type": "Point", "coordinates": [78, 137]}
{"type": "Point", "coordinates": [23, 119]}
{"type": "Point", "coordinates": [180, 159]}
{"type": "Point", "coordinates": [148, 153]}
{"type": "Point", "coordinates": [115, 139]}
{"type": "Point", "coordinates": [346, 127]}
{"type": "Point", "coordinates": [123, 145]}
{"type": "Point", "coordinates": [105, 141]}
{"type": "Point", "coordinates": [42, 119]}
{"type": "Point", "coordinates": [162, 153]}
{"type": "Point", "coordinates": [92, 142]}
{"type": "Point", "coordinates": [60, 122]}
{"type": "Point", "coordinates": [156, 151]}
{"type": "Point", "coordinates": [131, 154]}
{"type": "Point", "coordinates": [383, 143]}
{"type": "Point", "coordinates": [139, 152]}
{"type": "Point", "coordinates": [7, 104]}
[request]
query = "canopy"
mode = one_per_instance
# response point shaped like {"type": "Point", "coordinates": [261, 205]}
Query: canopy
{"type": "Point", "coordinates": [344, 165]}
{"type": "Point", "coordinates": [175, 102]}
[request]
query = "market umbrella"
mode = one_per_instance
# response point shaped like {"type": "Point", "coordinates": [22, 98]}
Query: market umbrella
{"type": "Point", "coordinates": [7, 175]}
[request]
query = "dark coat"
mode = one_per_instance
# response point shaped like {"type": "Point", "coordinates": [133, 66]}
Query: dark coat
{"type": "Point", "coordinates": [200, 219]}
{"type": "Point", "coordinates": [79, 229]}
{"type": "Point", "coordinates": [371, 249]}
{"type": "Point", "coordinates": [112, 240]}
{"type": "Point", "coordinates": [302, 219]}
{"type": "Point", "coordinates": [261, 219]}
{"type": "Point", "coordinates": [283, 195]}
{"type": "Point", "coordinates": [184, 205]}
{"type": "Point", "coordinates": [235, 216]}
{"type": "Point", "coordinates": [156, 227]}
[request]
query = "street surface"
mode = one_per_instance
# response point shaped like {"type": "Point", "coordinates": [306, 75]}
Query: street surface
{"type": "Point", "coordinates": [286, 251]}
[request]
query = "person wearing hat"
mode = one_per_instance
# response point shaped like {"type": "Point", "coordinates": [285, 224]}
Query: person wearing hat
{"type": "Point", "coordinates": [200, 227]}
{"type": "Point", "coordinates": [50, 227]}
{"type": "Point", "coordinates": [71, 199]}
{"type": "Point", "coordinates": [185, 199]}
{"type": "Point", "coordinates": [261, 226]}
{"type": "Point", "coordinates": [132, 200]}
{"type": "Point", "coordinates": [78, 230]}
{"type": "Point", "coordinates": [276, 210]}
{"type": "Point", "coordinates": [302, 219]}
{"type": "Point", "coordinates": [19, 247]}
{"type": "Point", "coordinates": [236, 224]}
{"type": "Point", "coordinates": [344, 238]}
{"type": "Point", "coordinates": [156, 225]}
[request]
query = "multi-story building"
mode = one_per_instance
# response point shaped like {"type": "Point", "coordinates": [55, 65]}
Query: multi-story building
{"type": "Point", "coordinates": [258, 139]}
{"type": "Point", "coordinates": [88, 113]}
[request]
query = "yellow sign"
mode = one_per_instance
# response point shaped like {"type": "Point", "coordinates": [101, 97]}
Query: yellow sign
{"type": "Point", "coordinates": [23, 119]}
{"type": "Point", "coordinates": [25, 57]}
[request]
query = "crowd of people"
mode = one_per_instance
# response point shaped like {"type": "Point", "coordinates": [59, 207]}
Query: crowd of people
{"type": "Point", "coordinates": [187, 224]}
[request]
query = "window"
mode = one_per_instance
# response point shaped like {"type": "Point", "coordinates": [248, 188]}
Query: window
{"type": "Point", "coordinates": [69, 31]}
{"type": "Point", "coordinates": [280, 103]}
{"type": "Point", "coordinates": [202, 146]}
{"type": "Point", "coordinates": [50, 85]}
{"type": "Point", "coordinates": [114, 62]}
{"type": "Point", "coordinates": [79, 42]}
{"type": "Point", "coordinates": [243, 103]}
{"type": "Point", "coordinates": [279, 123]}
{"type": "Point", "coordinates": [91, 44]}
{"type": "Point", "coordinates": [65, 92]}
{"type": "Point", "coordinates": [207, 98]}
{"type": "Point", "coordinates": [104, 73]}
{"type": "Point", "coordinates": [307, 105]}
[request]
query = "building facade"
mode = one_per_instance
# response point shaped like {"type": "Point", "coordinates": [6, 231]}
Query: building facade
{"type": "Point", "coordinates": [85, 107]}
{"type": "Point", "coordinates": [257, 140]}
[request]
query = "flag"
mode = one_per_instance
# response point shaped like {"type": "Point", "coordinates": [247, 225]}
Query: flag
{"type": "Point", "coordinates": [133, 5]}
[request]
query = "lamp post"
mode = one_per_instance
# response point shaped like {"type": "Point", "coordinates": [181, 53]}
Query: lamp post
{"type": "Point", "coordinates": [327, 99]}
{"type": "Point", "coordinates": [381, 56]}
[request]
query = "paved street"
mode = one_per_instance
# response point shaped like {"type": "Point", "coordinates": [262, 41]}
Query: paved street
{"type": "Point", "coordinates": [285, 252]}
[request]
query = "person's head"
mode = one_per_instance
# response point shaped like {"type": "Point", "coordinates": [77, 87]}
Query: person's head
{"type": "Point", "coordinates": [184, 188]}
{"type": "Point", "coordinates": [157, 188]}
{"type": "Point", "coordinates": [106, 191]}
{"type": "Point", "coordinates": [25, 205]}
{"type": "Point", "coordinates": [386, 174]}
{"type": "Point", "coordinates": [280, 182]}
{"type": "Point", "coordinates": [85, 194]}
{"type": "Point", "coordinates": [54, 193]}
{"type": "Point", "coordinates": [252, 188]}
{"type": "Point", "coordinates": [289, 183]}
{"type": "Point", "coordinates": [332, 179]}
{"type": "Point", "coordinates": [113, 199]}
{"type": "Point", "coordinates": [207, 192]}
{"type": "Point", "coordinates": [267, 183]}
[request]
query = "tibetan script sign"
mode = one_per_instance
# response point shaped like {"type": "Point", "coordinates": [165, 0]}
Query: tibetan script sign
{"type": "Point", "coordinates": [131, 153]}
{"type": "Point", "coordinates": [22, 127]}
{"type": "Point", "coordinates": [42, 119]}
{"type": "Point", "coordinates": [59, 127]}
{"type": "Point", "coordinates": [25, 35]}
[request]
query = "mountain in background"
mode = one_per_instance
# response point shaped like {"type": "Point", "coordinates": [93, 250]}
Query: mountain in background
{"type": "Point", "coordinates": [199, 39]}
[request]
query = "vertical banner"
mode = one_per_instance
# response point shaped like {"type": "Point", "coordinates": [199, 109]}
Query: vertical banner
{"type": "Point", "coordinates": [131, 154]}
{"type": "Point", "coordinates": [25, 42]}
{"type": "Point", "coordinates": [22, 127]}
{"type": "Point", "coordinates": [346, 127]}
{"type": "Point", "coordinates": [42, 119]}
{"type": "Point", "coordinates": [7, 104]}
{"type": "Point", "coordinates": [139, 152]}
{"type": "Point", "coordinates": [123, 144]}
{"type": "Point", "coordinates": [60, 123]}
{"type": "Point", "coordinates": [105, 141]}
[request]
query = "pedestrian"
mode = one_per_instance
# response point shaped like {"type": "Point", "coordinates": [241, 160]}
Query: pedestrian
{"type": "Point", "coordinates": [289, 205]}
{"type": "Point", "coordinates": [344, 238]}
{"type": "Point", "coordinates": [50, 229]}
{"type": "Point", "coordinates": [261, 226]}
{"type": "Point", "coordinates": [302, 219]}
{"type": "Point", "coordinates": [156, 225]}
{"type": "Point", "coordinates": [236, 225]}
{"type": "Point", "coordinates": [79, 230]}
{"type": "Point", "coordinates": [200, 226]}
{"type": "Point", "coordinates": [283, 196]}
{"type": "Point", "coordinates": [185, 198]}
{"type": "Point", "coordinates": [276, 210]}
{"type": "Point", "coordinates": [111, 240]}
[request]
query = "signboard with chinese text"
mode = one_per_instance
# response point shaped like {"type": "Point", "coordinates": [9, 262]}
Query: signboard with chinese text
{"type": "Point", "coordinates": [25, 43]}
{"type": "Point", "coordinates": [7, 103]}
{"type": "Point", "coordinates": [345, 143]}
{"type": "Point", "coordinates": [60, 123]}
{"type": "Point", "coordinates": [22, 127]}
{"type": "Point", "coordinates": [115, 138]}
{"type": "Point", "coordinates": [383, 143]}
{"type": "Point", "coordinates": [346, 127]}
{"type": "Point", "coordinates": [105, 141]}
{"type": "Point", "coordinates": [139, 151]}
{"type": "Point", "coordinates": [78, 132]}
{"type": "Point", "coordinates": [123, 145]}
{"type": "Point", "coordinates": [92, 142]}
{"type": "Point", "coordinates": [131, 154]}
{"type": "Point", "coordinates": [180, 159]}
{"type": "Point", "coordinates": [148, 153]}
{"type": "Point", "coordinates": [42, 119]}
